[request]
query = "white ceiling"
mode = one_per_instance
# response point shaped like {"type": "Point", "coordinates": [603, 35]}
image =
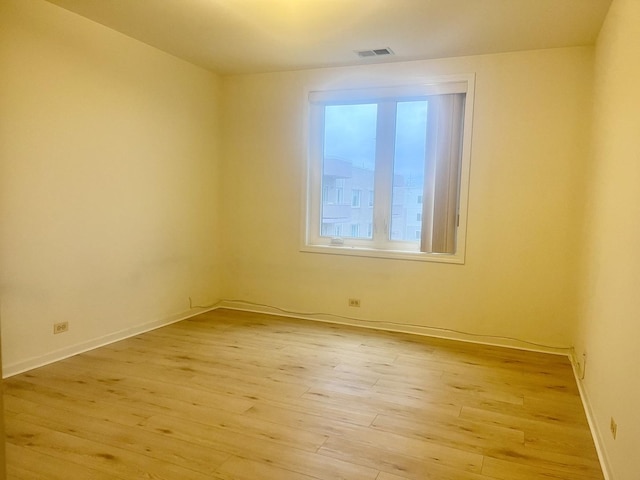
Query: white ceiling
{"type": "Point", "coordinates": [248, 36]}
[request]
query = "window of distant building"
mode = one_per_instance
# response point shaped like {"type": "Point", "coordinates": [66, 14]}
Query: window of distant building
{"type": "Point", "coordinates": [355, 198]}
{"type": "Point", "coordinates": [408, 148]}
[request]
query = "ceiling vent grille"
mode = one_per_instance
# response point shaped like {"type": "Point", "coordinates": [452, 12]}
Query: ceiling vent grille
{"type": "Point", "coordinates": [376, 52]}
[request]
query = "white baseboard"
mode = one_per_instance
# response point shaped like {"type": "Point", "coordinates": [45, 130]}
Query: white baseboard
{"type": "Point", "coordinates": [39, 361]}
{"type": "Point", "coordinates": [393, 327]}
{"type": "Point", "coordinates": [596, 434]}
{"type": "Point", "coordinates": [35, 362]}
{"type": "Point", "coordinates": [51, 357]}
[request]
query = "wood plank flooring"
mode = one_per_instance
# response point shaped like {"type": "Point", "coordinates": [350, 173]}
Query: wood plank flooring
{"type": "Point", "coordinates": [233, 395]}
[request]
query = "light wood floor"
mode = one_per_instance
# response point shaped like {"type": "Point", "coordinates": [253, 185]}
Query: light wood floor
{"type": "Point", "coordinates": [230, 395]}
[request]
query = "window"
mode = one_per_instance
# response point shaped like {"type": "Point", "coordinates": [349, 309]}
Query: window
{"type": "Point", "coordinates": [355, 198]}
{"type": "Point", "coordinates": [408, 148]}
{"type": "Point", "coordinates": [339, 189]}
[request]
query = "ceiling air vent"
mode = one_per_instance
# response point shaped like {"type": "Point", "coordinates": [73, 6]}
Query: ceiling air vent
{"type": "Point", "coordinates": [377, 52]}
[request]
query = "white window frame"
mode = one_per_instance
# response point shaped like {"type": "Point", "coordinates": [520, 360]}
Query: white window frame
{"type": "Point", "coordinates": [313, 242]}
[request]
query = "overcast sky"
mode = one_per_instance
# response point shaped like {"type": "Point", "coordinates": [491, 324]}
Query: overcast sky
{"type": "Point", "coordinates": [350, 134]}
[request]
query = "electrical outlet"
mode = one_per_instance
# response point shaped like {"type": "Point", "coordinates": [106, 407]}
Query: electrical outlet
{"type": "Point", "coordinates": [354, 302]}
{"type": "Point", "coordinates": [614, 428]}
{"type": "Point", "coordinates": [60, 327]}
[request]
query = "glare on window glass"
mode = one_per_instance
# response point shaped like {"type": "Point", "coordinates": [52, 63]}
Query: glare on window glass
{"type": "Point", "coordinates": [347, 170]}
{"type": "Point", "coordinates": [408, 170]}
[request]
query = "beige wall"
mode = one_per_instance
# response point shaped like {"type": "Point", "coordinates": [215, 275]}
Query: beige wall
{"type": "Point", "coordinates": [114, 213]}
{"type": "Point", "coordinates": [610, 314]}
{"type": "Point", "coordinates": [108, 183]}
{"type": "Point", "coordinates": [529, 143]}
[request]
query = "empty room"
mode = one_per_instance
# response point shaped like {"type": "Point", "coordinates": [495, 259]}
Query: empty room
{"type": "Point", "coordinates": [320, 239]}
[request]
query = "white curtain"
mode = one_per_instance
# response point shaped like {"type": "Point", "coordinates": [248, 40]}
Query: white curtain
{"type": "Point", "coordinates": [442, 173]}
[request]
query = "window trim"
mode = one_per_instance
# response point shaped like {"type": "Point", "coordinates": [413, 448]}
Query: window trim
{"type": "Point", "coordinates": [433, 85]}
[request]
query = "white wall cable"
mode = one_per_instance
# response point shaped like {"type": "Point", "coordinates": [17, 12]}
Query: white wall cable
{"type": "Point", "coordinates": [376, 322]}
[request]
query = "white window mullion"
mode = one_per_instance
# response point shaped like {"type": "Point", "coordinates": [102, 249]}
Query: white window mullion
{"type": "Point", "coordinates": [428, 190]}
{"type": "Point", "coordinates": [383, 185]}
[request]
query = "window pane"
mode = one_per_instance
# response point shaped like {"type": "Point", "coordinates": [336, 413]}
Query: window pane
{"type": "Point", "coordinates": [408, 170]}
{"type": "Point", "coordinates": [347, 169]}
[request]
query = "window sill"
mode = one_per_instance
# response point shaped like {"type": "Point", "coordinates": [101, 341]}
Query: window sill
{"type": "Point", "coordinates": [388, 254]}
